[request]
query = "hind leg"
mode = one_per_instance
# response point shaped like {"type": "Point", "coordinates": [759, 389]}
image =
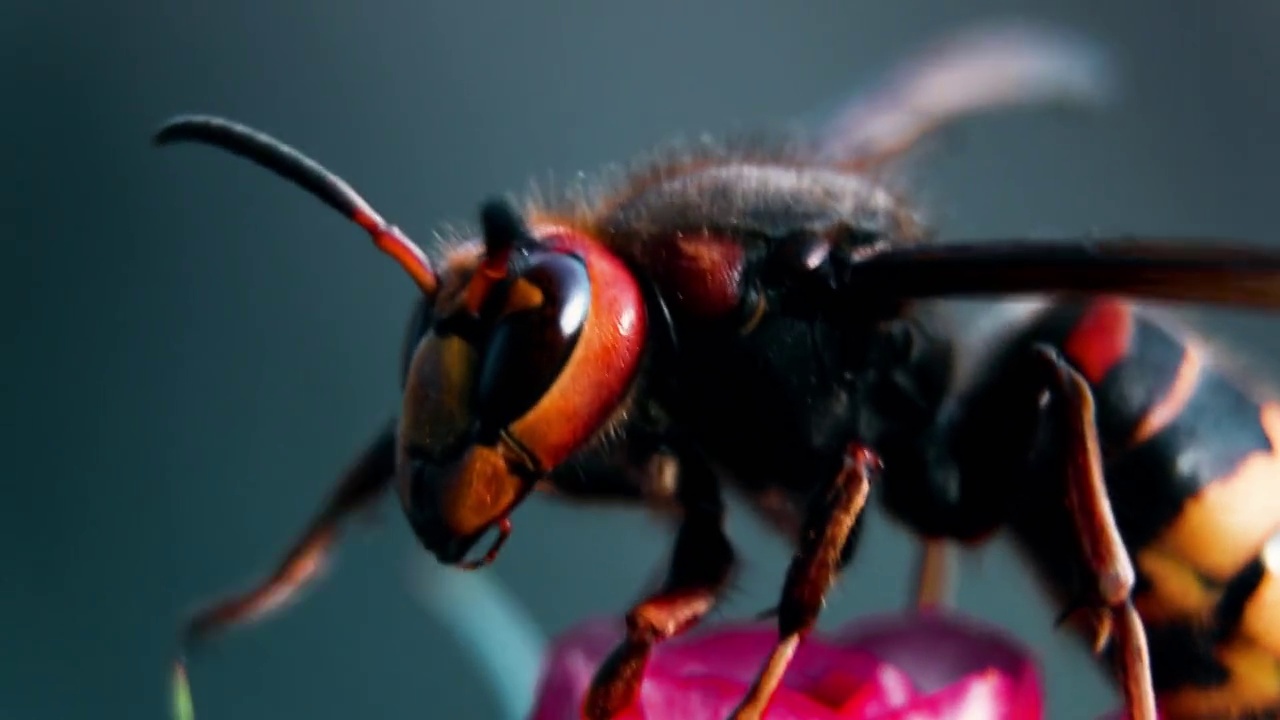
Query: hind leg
{"type": "Point", "coordinates": [1072, 417]}
{"type": "Point", "coordinates": [935, 570]}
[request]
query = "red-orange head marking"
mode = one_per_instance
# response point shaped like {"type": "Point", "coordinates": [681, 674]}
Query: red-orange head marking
{"type": "Point", "coordinates": [519, 368]}
{"type": "Point", "coordinates": [522, 367]}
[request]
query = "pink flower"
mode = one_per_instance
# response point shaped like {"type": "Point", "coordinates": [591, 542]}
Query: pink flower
{"type": "Point", "coordinates": [920, 666]}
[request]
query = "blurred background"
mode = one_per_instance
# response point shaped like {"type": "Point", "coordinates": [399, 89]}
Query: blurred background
{"type": "Point", "coordinates": [194, 348]}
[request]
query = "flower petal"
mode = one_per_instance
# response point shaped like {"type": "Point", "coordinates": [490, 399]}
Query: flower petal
{"type": "Point", "coordinates": [712, 698]}
{"type": "Point", "coordinates": [571, 662]}
{"type": "Point", "coordinates": [854, 695]}
{"type": "Point", "coordinates": [938, 648]}
{"type": "Point", "coordinates": [988, 695]}
{"type": "Point", "coordinates": [738, 650]}
{"type": "Point", "coordinates": [918, 666]}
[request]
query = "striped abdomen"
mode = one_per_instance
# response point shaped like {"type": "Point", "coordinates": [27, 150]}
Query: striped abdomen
{"type": "Point", "coordinates": [1193, 472]}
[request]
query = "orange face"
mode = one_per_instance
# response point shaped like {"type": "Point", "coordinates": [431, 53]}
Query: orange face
{"type": "Point", "coordinates": [526, 360]}
{"type": "Point", "coordinates": [531, 348]}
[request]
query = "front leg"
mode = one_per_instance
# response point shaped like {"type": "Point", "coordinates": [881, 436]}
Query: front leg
{"type": "Point", "coordinates": [1071, 416]}
{"type": "Point", "coordinates": [701, 565]}
{"type": "Point", "coordinates": [360, 486]}
{"type": "Point", "coordinates": [363, 483]}
{"type": "Point", "coordinates": [828, 525]}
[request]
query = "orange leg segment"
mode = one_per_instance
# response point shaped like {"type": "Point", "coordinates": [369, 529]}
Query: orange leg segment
{"type": "Point", "coordinates": [1104, 550]}
{"type": "Point", "coordinates": [817, 561]}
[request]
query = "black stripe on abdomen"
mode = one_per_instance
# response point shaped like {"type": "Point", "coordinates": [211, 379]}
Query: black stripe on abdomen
{"type": "Point", "coordinates": [1184, 652]}
{"type": "Point", "coordinates": [1219, 428]}
{"type": "Point", "coordinates": [1137, 384]}
{"type": "Point", "coordinates": [1182, 655]}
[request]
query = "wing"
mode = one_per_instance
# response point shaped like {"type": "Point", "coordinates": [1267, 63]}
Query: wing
{"type": "Point", "coordinates": [1205, 270]}
{"type": "Point", "coordinates": [983, 68]}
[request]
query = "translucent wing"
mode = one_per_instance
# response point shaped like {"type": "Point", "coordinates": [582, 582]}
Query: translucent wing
{"type": "Point", "coordinates": [983, 68]}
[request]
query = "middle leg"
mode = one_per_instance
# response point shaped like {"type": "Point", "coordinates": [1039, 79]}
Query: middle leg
{"type": "Point", "coordinates": [823, 540]}
{"type": "Point", "coordinates": [701, 565]}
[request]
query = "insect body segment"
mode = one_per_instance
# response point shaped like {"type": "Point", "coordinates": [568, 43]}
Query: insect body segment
{"type": "Point", "coordinates": [746, 315]}
{"type": "Point", "coordinates": [1194, 474]}
{"type": "Point", "coordinates": [1191, 468]}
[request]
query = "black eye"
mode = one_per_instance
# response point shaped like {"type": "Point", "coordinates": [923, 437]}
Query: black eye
{"type": "Point", "coordinates": [531, 342]}
{"type": "Point", "coordinates": [419, 323]}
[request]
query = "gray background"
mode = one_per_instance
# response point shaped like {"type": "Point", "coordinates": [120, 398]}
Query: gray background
{"type": "Point", "coordinates": [194, 348]}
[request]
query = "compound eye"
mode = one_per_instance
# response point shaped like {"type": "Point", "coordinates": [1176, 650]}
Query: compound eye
{"type": "Point", "coordinates": [537, 329]}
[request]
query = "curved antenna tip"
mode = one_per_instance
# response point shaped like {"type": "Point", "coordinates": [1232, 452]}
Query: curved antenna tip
{"type": "Point", "coordinates": [167, 131]}
{"type": "Point", "coordinates": [179, 127]}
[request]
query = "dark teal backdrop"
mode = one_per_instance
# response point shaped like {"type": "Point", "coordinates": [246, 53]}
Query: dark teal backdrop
{"type": "Point", "coordinates": [193, 349]}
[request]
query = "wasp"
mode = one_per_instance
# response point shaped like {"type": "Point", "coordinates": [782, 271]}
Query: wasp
{"type": "Point", "coordinates": [755, 316]}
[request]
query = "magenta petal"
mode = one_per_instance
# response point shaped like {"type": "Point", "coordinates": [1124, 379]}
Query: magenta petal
{"type": "Point", "coordinates": [919, 666]}
{"type": "Point", "coordinates": [840, 676]}
{"type": "Point", "coordinates": [705, 674]}
{"type": "Point", "coordinates": [732, 651]}
{"type": "Point", "coordinates": [736, 651]}
{"type": "Point", "coordinates": [827, 674]}
{"type": "Point", "coordinates": [713, 698]}
{"type": "Point", "coordinates": [569, 666]}
{"type": "Point", "coordinates": [937, 649]}
{"type": "Point", "coordinates": [988, 695]}
{"type": "Point", "coordinates": [854, 695]}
